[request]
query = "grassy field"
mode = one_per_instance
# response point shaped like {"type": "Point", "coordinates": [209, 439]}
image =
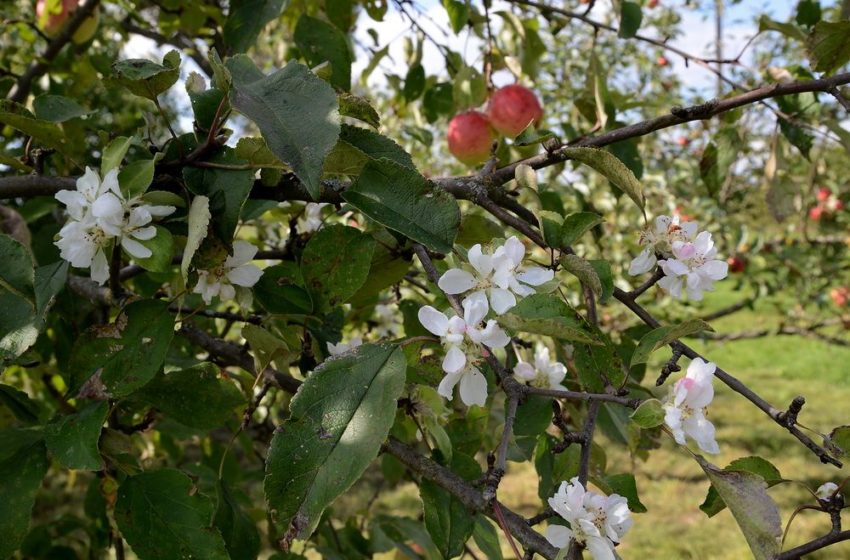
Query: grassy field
{"type": "Point", "coordinates": [672, 485]}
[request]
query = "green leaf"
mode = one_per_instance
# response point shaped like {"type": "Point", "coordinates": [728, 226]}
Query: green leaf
{"type": "Point", "coordinates": [44, 132]}
{"type": "Point", "coordinates": [630, 19]}
{"type": "Point", "coordinates": [145, 78]}
{"type": "Point", "coordinates": [797, 135]}
{"type": "Point", "coordinates": [358, 146]}
{"type": "Point", "coordinates": [227, 190]}
{"type": "Point", "coordinates": [438, 101]}
{"type": "Point", "coordinates": [597, 362]}
{"type": "Point", "coordinates": [57, 108]}
{"type": "Point", "coordinates": [319, 42]}
{"type": "Point", "coordinates": [649, 414]}
{"type": "Point", "coordinates": [582, 270]}
{"type": "Point", "coordinates": [176, 394]}
{"type": "Point", "coordinates": [470, 88]}
{"type": "Point", "coordinates": [356, 107]}
{"type": "Point", "coordinates": [238, 530]}
{"type": "Point", "coordinates": [338, 420]}
{"type": "Point", "coordinates": [164, 504]}
{"type": "Point", "coordinates": [266, 347]}
{"type": "Point", "coordinates": [828, 46]}
{"type": "Point", "coordinates": [458, 13]}
{"type": "Point", "coordinates": [625, 485]}
{"type": "Point", "coordinates": [662, 336]}
{"type": "Point", "coordinates": [246, 20]}
{"type": "Point", "coordinates": [788, 29]}
{"type": "Point", "coordinates": [126, 354]}
{"type": "Point", "coordinates": [547, 315]}
{"type": "Point", "coordinates": [17, 275]}
{"type": "Point", "coordinates": [447, 520]}
{"type": "Point", "coordinates": [414, 83]}
{"type": "Point", "coordinates": [838, 441]}
{"type": "Point", "coordinates": [606, 278]}
{"type": "Point", "coordinates": [296, 112]}
{"type": "Point", "coordinates": [19, 404]}
{"type": "Point", "coordinates": [161, 246]}
{"type": "Point", "coordinates": [23, 464]}
{"type": "Point", "coordinates": [402, 200]}
{"type": "Point", "coordinates": [714, 504]}
{"type": "Point", "coordinates": [73, 439]}
{"type": "Point", "coordinates": [281, 290]}
{"type": "Point", "coordinates": [487, 539]}
{"type": "Point", "coordinates": [114, 153]}
{"type": "Point", "coordinates": [335, 263]}
{"type": "Point", "coordinates": [199, 221]}
{"type": "Point", "coordinates": [576, 225]}
{"type": "Point", "coordinates": [808, 12]}
{"type": "Point", "coordinates": [612, 168]}
{"type": "Point", "coordinates": [757, 515]}
{"type": "Point", "coordinates": [136, 177]}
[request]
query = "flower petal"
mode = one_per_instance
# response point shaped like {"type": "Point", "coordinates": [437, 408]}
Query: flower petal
{"type": "Point", "coordinates": [437, 323]}
{"type": "Point", "coordinates": [456, 281]}
{"type": "Point", "coordinates": [535, 275]}
{"type": "Point", "coordinates": [501, 300]}
{"type": "Point", "coordinates": [473, 387]}
{"type": "Point", "coordinates": [454, 360]}
{"type": "Point", "coordinates": [246, 275]}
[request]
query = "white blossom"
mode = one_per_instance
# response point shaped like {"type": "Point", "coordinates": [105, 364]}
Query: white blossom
{"type": "Point", "coordinates": [597, 522]}
{"type": "Point", "coordinates": [692, 267]}
{"type": "Point", "coordinates": [826, 490]}
{"type": "Point", "coordinates": [686, 404]}
{"type": "Point", "coordinates": [343, 347]}
{"type": "Point", "coordinates": [462, 337]}
{"type": "Point", "coordinates": [543, 372]}
{"type": "Point", "coordinates": [311, 219]}
{"type": "Point", "coordinates": [235, 271]}
{"type": "Point", "coordinates": [497, 277]}
{"type": "Point", "coordinates": [387, 318]}
{"type": "Point", "coordinates": [98, 215]}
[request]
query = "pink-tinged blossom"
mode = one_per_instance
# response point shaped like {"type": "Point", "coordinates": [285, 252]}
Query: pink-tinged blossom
{"type": "Point", "coordinates": [692, 268]}
{"type": "Point", "coordinates": [686, 405]}
{"type": "Point", "coordinates": [660, 239]}
{"type": "Point", "coordinates": [543, 373]}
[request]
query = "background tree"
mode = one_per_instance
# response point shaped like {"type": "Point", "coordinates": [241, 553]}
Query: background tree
{"type": "Point", "coordinates": [252, 306]}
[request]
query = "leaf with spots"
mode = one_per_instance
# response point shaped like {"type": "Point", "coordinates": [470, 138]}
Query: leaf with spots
{"type": "Point", "coordinates": [73, 438]}
{"type": "Point", "coordinates": [118, 358]}
{"type": "Point", "coordinates": [335, 264]}
{"type": "Point", "coordinates": [338, 420]}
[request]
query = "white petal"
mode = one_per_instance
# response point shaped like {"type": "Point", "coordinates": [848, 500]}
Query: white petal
{"type": "Point", "coordinates": [242, 253]}
{"type": "Point", "coordinates": [144, 233]}
{"type": "Point", "coordinates": [515, 250]}
{"type": "Point", "coordinates": [475, 307]}
{"type": "Point", "coordinates": [535, 275]}
{"type": "Point", "coordinates": [482, 263]}
{"type": "Point", "coordinates": [493, 336]}
{"type": "Point", "coordinates": [89, 184]}
{"type": "Point", "coordinates": [99, 268]}
{"type": "Point", "coordinates": [473, 388]}
{"type": "Point", "coordinates": [448, 383]}
{"type": "Point", "coordinates": [110, 182]}
{"type": "Point", "coordinates": [716, 270]}
{"type": "Point", "coordinates": [456, 281]}
{"type": "Point", "coordinates": [600, 548]}
{"type": "Point", "coordinates": [437, 323]}
{"type": "Point", "coordinates": [160, 211]}
{"type": "Point", "coordinates": [108, 206]}
{"type": "Point", "coordinates": [524, 371]}
{"type": "Point", "coordinates": [135, 249]}
{"type": "Point", "coordinates": [74, 201]}
{"type": "Point", "coordinates": [226, 291]}
{"type": "Point", "coordinates": [454, 360]}
{"type": "Point", "coordinates": [558, 536]}
{"type": "Point", "coordinates": [642, 263]}
{"type": "Point", "coordinates": [246, 275]}
{"type": "Point", "coordinates": [501, 300]}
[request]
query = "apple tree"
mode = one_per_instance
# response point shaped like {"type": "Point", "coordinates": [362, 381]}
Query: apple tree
{"type": "Point", "coordinates": [264, 261]}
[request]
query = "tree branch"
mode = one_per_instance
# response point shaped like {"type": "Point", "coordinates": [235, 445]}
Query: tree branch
{"type": "Point", "coordinates": [817, 544]}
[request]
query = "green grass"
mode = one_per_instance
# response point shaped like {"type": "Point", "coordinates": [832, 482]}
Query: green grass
{"type": "Point", "coordinates": [672, 485]}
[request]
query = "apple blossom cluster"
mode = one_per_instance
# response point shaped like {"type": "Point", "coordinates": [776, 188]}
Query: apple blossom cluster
{"type": "Point", "coordinates": [690, 262]}
{"type": "Point", "coordinates": [236, 273]}
{"type": "Point", "coordinates": [686, 405]}
{"type": "Point", "coordinates": [597, 522]}
{"type": "Point", "coordinates": [495, 281]}
{"type": "Point", "coordinates": [828, 204]}
{"type": "Point", "coordinates": [462, 338]}
{"type": "Point", "coordinates": [543, 373]}
{"type": "Point", "coordinates": [100, 215]}
{"type": "Point", "coordinates": [496, 277]}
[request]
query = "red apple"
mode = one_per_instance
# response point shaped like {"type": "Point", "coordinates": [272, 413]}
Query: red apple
{"type": "Point", "coordinates": [512, 108]}
{"type": "Point", "coordinates": [682, 141]}
{"type": "Point", "coordinates": [662, 61]}
{"type": "Point", "coordinates": [840, 295]}
{"type": "Point", "coordinates": [823, 194]}
{"type": "Point", "coordinates": [736, 264]}
{"type": "Point", "coordinates": [815, 213]}
{"type": "Point", "coordinates": [652, 3]}
{"type": "Point", "coordinates": [471, 137]}
{"type": "Point", "coordinates": [52, 14]}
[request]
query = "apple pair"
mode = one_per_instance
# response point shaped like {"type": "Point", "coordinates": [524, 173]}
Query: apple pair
{"type": "Point", "coordinates": [53, 14]}
{"type": "Point", "coordinates": [510, 110]}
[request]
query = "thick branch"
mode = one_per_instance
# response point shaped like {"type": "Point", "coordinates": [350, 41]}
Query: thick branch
{"type": "Point", "coordinates": [817, 544]}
